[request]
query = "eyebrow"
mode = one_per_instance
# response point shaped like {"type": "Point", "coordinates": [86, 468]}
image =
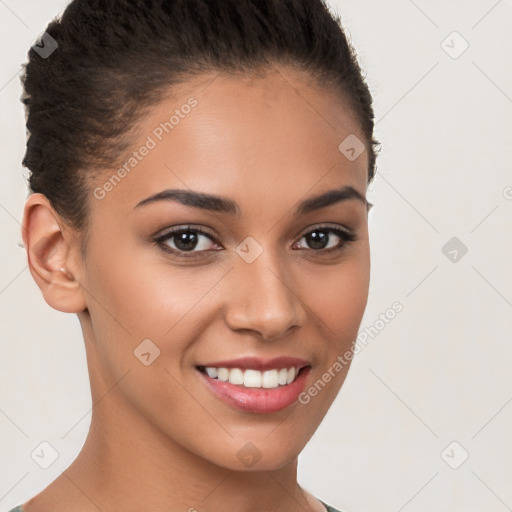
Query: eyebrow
{"type": "Point", "coordinates": [223, 205]}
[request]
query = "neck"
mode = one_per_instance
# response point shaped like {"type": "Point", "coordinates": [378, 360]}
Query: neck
{"type": "Point", "coordinates": [156, 474]}
{"type": "Point", "coordinates": [129, 464]}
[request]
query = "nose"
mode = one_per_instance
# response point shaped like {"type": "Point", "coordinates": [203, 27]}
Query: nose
{"type": "Point", "coordinates": [262, 298]}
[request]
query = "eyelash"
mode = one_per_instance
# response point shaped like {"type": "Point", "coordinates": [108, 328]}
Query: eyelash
{"type": "Point", "coordinates": [346, 237]}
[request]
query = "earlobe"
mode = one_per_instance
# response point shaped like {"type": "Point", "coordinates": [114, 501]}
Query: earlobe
{"type": "Point", "coordinates": [49, 255]}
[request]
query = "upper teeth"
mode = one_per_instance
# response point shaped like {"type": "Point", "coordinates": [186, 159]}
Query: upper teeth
{"type": "Point", "coordinates": [254, 378]}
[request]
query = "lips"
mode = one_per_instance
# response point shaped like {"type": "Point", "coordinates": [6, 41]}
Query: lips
{"type": "Point", "coordinates": [252, 372]}
{"type": "Point", "coordinates": [254, 384]}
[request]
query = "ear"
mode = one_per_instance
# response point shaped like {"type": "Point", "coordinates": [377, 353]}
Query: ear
{"type": "Point", "coordinates": [47, 240]}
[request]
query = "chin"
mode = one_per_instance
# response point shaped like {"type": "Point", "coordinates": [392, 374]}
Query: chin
{"type": "Point", "coordinates": [261, 454]}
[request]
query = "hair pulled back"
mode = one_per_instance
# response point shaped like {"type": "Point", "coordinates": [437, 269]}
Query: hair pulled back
{"type": "Point", "coordinates": [117, 58]}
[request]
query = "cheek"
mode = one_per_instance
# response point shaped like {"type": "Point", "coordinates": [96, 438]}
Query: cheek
{"type": "Point", "coordinates": [338, 298]}
{"type": "Point", "coordinates": [139, 291]}
{"type": "Point", "coordinates": [139, 297]}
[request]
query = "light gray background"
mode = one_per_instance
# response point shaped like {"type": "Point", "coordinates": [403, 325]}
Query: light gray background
{"type": "Point", "coordinates": [439, 372]}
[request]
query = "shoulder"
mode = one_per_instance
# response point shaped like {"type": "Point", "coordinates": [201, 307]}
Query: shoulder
{"type": "Point", "coordinates": [329, 507]}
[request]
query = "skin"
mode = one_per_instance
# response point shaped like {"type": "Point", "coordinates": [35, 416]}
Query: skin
{"type": "Point", "coordinates": [159, 439]}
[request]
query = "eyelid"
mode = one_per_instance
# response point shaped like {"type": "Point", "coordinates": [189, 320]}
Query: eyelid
{"type": "Point", "coordinates": [167, 234]}
{"type": "Point", "coordinates": [159, 239]}
{"type": "Point", "coordinates": [197, 228]}
{"type": "Point", "coordinates": [326, 226]}
{"type": "Point", "coordinates": [205, 231]}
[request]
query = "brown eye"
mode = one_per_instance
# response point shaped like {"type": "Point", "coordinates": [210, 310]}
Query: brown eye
{"type": "Point", "coordinates": [182, 240]}
{"type": "Point", "coordinates": [323, 239]}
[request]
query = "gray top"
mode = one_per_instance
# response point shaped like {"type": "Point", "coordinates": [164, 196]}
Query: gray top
{"type": "Point", "coordinates": [328, 507]}
{"type": "Point", "coordinates": [19, 508]}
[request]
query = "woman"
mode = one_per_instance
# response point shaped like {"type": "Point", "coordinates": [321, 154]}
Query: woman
{"type": "Point", "coordinates": [198, 198]}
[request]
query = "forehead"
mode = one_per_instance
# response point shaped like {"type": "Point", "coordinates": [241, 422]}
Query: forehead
{"type": "Point", "coordinates": [276, 134]}
{"type": "Point", "coordinates": [260, 110]}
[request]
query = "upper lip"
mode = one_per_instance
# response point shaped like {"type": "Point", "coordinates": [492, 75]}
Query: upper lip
{"type": "Point", "coordinates": [258, 363]}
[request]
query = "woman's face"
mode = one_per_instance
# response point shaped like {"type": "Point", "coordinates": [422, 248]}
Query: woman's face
{"type": "Point", "coordinates": [263, 279]}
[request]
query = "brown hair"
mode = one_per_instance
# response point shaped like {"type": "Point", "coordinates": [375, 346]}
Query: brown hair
{"type": "Point", "coordinates": [117, 58]}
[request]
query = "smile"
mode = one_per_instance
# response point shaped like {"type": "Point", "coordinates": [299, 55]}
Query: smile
{"type": "Point", "coordinates": [251, 378]}
{"type": "Point", "coordinates": [256, 385]}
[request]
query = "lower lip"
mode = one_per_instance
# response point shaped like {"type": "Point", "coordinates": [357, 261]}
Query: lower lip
{"type": "Point", "coordinates": [259, 400]}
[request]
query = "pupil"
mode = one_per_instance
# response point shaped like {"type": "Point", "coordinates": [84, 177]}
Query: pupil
{"type": "Point", "coordinates": [183, 244]}
{"type": "Point", "coordinates": [187, 240]}
{"type": "Point", "coordinates": [317, 239]}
